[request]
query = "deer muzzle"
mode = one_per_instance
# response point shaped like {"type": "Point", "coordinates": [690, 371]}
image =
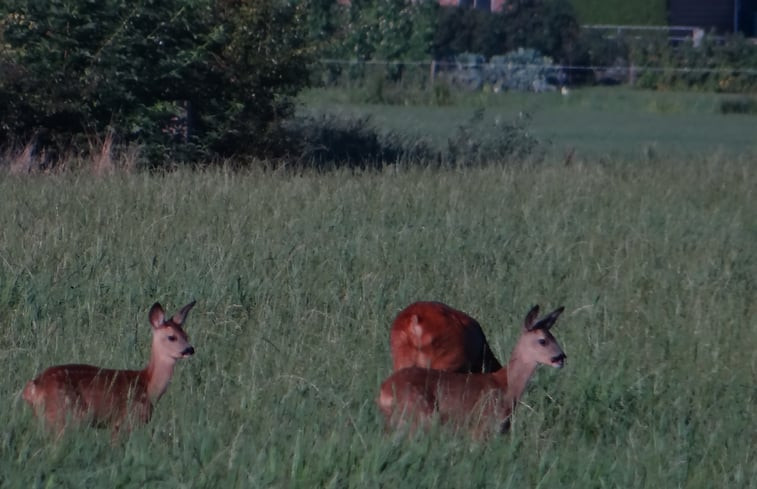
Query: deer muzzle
{"type": "Point", "coordinates": [558, 361]}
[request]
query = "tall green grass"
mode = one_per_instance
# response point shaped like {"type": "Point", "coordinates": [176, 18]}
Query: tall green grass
{"type": "Point", "coordinates": [298, 277]}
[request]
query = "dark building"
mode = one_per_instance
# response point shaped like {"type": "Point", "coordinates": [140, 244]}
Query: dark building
{"type": "Point", "coordinates": [721, 16]}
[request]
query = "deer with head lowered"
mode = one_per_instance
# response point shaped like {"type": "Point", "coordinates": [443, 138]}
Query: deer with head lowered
{"type": "Point", "coordinates": [106, 397]}
{"type": "Point", "coordinates": [436, 336]}
{"type": "Point", "coordinates": [481, 402]}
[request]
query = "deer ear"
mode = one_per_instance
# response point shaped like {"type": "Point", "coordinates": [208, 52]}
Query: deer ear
{"type": "Point", "coordinates": [549, 321]}
{"type": "Point", "coordinates": [528, 323]}
{"type": "Point", "coordinates": [157, 316]}
{"type": "Point", "coordinates": [179, 318]}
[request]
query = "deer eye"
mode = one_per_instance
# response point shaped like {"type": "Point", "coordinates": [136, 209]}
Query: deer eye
{"type": "Point", "coordinates": [172, 338]}
{"type": "Point", "coordinates": [542, 341]}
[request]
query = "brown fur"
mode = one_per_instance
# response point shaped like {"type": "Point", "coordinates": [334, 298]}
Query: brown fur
{"type": "Point", "coordinates": [434, 335]}
{"type": "Point", "coordinates": [85, 392]}
{"type": "Point", "coordinates": [106, 397]}
{"type": "Point", "coordinates": [481, 403]}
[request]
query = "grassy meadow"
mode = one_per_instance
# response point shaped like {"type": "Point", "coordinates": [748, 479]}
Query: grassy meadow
{"type": "Point", "coordinates": [298, 275]}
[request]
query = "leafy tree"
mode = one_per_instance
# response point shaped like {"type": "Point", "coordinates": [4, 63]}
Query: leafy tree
{"type": "Point", "coordinates": [549, 26]}
{"type": "Point", "coordinates": [390, 30]}
{"type": "Point", "coordinates": [201, 77]}
{"type": "Point", "coordinates": [328, 24]}
{"type": "Point", "coordinates": [468, 30]}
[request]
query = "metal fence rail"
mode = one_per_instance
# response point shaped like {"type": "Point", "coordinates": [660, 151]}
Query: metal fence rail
{"type": "Point", "coordinates": [451, 64]}
{"type": "Point", "coordinates": [474, 74]}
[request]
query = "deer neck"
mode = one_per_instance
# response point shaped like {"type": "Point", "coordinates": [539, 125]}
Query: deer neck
{"type": "Point", "coordinates": [519, 372]}
{"type": "Point", "coordinates": [158, 375]}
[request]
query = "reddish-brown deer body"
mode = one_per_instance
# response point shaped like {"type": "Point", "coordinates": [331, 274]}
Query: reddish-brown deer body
{"type": "Point", "coordinates": [434, 335]}
{"type": "Point", "coordinates": [106, 397]}
{"type": "Point", "coordinates": [481, 402]}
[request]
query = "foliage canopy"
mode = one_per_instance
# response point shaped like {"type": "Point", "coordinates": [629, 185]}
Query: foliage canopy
{"type": "Point", "coordinates": [186, 78]}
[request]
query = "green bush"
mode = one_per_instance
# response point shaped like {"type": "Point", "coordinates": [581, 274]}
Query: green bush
{"type": "Point", "coordinates": [595, 48]}
{"type": "Point", "coordinates": [652, 61]}
{"type": "Point", "coordinates": [184, 78]}
{"type": "Point", "coordinates": [330, 141]}
{"type": "Point", "coordinates": [512, 142]}
{"type": "Point", "coordinates": [720, 65]}
{"type": "Point", "coordinates": [548, 26]}
{"type": "Point", "coordinates": [740, 105]}
{"type": "Point", "coordinates": [623, 12]}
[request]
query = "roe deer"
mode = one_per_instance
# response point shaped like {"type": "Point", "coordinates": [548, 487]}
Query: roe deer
{"type": "Point", "coordinates": [482, 402]}
{"type": "Point", "coordinates": [106, 397]}
{"type": "Point", "coordinates": [434, 335]}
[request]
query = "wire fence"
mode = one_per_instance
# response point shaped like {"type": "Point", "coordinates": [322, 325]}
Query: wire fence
{"type": "Point", "coordinates": [453, 64]}
{"type": "Point", "coordinates": [474, 73]}
{"type": "Point", "coordinates": [674, 33]}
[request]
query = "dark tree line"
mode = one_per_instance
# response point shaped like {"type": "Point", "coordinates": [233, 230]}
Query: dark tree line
{"type": "Point", "coordinates": [183, 78]}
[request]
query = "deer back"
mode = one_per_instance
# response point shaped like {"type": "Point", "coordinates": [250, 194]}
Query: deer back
{"type": "Point", "coordinates": [88, 393]}
{"type": "Point", "coordinates": [480, 401]}
{"type": "Point", "coordinates": [434, 335]}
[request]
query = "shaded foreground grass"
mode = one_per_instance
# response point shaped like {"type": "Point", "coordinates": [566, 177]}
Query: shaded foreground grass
{"type": "Point", "coordinates": [297, 279]}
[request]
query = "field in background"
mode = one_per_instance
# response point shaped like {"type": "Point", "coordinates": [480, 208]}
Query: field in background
{"type": "Point", "coordinates": [298, 276]}
{"type": "Point", "coordinates": [614, 122]}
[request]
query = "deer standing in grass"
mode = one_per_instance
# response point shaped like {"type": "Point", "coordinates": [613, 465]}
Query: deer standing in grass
{"type": "Point", "coordinates": [434, 335]}
{"type": "Point", "coordinates": [481, 402]}
{"type": "Point", "coordinates": [106, 397]}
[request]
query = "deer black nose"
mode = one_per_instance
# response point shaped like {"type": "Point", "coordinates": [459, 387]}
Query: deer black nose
{"type": "Point", "coordinates": [188, 351]}
{"type": "Point", "coordinates": [559, 360]}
